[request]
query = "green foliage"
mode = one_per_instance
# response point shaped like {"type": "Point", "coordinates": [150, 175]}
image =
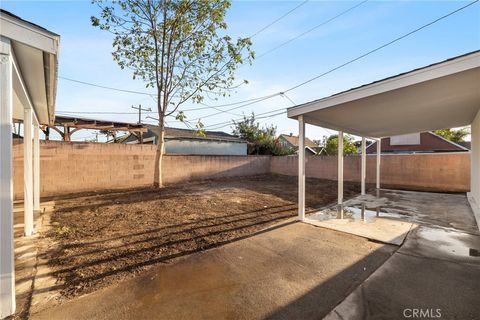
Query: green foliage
{"type": "Point", "coordinates": [174, 46]}
{"type": "Point", "coordinates": [261, 140]}
{"type": "Point", "coordinates": [456, 136]}
{"type": "Point", "coordinates": [178, 47]}
{"type": "Point", "coordinates": [330, 145]}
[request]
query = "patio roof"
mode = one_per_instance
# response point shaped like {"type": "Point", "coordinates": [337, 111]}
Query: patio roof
{"type": "Point", "coordinates": [438, 96]}
{"type": "Point", "coordinates": [35, 63]}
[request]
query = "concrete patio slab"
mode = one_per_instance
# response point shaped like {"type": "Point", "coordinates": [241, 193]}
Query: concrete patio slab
{"type": "Point", "coordinates": [388, 215]}
{"type": "Point", "coordinates": [443, 244]}
{"type": "Point", "coordinates": [383, 230]}
{"type": "Point", "coordinates": [447, 290]}
{"type": "Point", "coordinates": [435, 272]}
{"type": "Point", "coordinates": [295, 271]}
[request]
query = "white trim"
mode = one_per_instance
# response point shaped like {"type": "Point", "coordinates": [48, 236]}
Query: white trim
{"type": "Point", "coordinates": [340, 171]}
{"type": "Point", "coordinates": [7, 265]}
{"type": "Point", "coordinates": [36, 167]}
{"type": "Point", "coordinates": [378, 163]}
{"type": "Point", "coordinates": [28, 34]}
{"type": "Point", "coordinates": [28, 171]}
{"type": "Point", "coordinates": [28, 100]}
{"type": "Point", "coordinates": [301, 169]}
{"type": "Point", "coordinates": [308, 148]}
{"type": "Point", "coordinates": [408, 79]}
{"type": "Point", "coordinates": [363, 169]}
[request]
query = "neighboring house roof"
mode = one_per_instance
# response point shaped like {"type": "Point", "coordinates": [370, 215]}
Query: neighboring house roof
{"type": "Point", "coordinates": [429, 142]}
{"type": "Point", "coordinates": [176, 133]}
{"type": "Point", "coordinates": [181, 134]}
{"type": "Point", "coordinates": [293, 141]}
{"type": "Point", "coordinates": [466, 144]}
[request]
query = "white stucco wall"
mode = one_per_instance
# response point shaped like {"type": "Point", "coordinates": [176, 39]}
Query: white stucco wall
{"type": "Point", "coordinates": [205, 147]}
{"type": "Point", "coordinates": [475, 160]}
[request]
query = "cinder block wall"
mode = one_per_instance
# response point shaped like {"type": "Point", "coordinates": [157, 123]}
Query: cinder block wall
{"type": "Point", "coordinates": [77, 167]}
{"type": "Point", "coordinates": [445, 172]}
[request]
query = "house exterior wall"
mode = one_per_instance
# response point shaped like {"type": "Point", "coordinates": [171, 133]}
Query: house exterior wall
{"type": "Point", "coordinates": [444, 172]}
{"type": "Point", "coordinates": [428, 142]}
{"type": "Point", "coordinates": [475, 154]}
{"type": "Point", "coordinates": [205, 147]}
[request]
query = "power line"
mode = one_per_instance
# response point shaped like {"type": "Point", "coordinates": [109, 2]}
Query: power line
{"type": "Point", "coordinates": [238, 107]}
{"type": "Point", "coordinates": [256, 100]}
{"type": "Point", "coordinates": [278, 19]}
{"type": "Point", "coordinates": [105, 87]}
{"type": "Point", "coordinates": [382, 46]}
{"type": "Point", "coordinates": [263, 115]}
{"type": "Point", "coordinates": [97, 112]}
{"type": "Point", "coordinates": [372, 51]}
{"type": "Point", "coordinates": [151, 95]}
{"type": "Point", "coordinates": [310, 30]}
{"type": "Point", "coordinates": [219, 126]}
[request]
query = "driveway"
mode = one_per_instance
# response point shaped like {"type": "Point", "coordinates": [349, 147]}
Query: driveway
{"type": "Point", "coordinates": [295, 271]}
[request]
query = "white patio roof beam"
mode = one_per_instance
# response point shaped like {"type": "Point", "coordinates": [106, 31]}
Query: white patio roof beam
{"type": "Point", "coordinates": [443, 95]}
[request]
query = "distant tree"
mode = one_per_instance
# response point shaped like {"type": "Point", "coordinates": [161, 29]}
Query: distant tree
{"type": "Point", "coordinates": [330, 145]}
{"type": "Point", "coordinates": [262, 140]}
{"type": "Point", "coordinates": [179, 48]}
{"type": "Point", "coordinates": [454, 135]}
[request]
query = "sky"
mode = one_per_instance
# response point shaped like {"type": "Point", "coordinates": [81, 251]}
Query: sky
{"type": "Point", "coordinates": [85, 54]}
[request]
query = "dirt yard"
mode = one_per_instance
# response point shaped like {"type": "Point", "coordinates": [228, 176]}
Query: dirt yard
{"type": "Point", "coordinates": [104, 238]}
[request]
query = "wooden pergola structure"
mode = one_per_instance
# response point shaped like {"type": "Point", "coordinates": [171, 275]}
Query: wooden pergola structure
{"type": "Point", "coordinates": [68, 125]}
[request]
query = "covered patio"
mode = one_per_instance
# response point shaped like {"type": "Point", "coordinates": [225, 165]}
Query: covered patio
{"type": "Point", "coordinates": [28, 83]}
{"type": "Point", "coordinates": [438, 96]}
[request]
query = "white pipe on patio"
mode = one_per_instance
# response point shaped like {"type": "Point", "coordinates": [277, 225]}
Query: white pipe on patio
{"type": "Point", "coordinates": [36, 167]}
{"type": "Point", "coordinates": [301, 168]}
{"type": "Point", "coordinates": [379, 152]}
{"type": "Point", "coordinates": [7, 266]}
{"type": "Point", "coordinates": [340, 171]}
{"type": "Point", "coordinates": [28, 171]}
{"type": "Point", "coordinates": [364, 164]}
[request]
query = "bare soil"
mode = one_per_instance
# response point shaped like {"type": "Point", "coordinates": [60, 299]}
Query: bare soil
{"type": "Point", "coordinates": [106, 237]}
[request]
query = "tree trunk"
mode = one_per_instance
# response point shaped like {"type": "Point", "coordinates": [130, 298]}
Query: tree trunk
{"type": "Point", "coordinates": [158, 180]}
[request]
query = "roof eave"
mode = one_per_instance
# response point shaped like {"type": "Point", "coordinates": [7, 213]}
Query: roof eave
{"type": "Point", "coordinates": [447, 67]}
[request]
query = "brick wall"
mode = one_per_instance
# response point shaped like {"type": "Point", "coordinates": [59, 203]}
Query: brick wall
{"type": "Point", "coordinates": [76, 167]}
{"type": "Point", "coordinates": [446, 172]}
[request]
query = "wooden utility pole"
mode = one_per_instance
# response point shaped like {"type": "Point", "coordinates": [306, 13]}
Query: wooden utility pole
{"type": "Point", "coordinates": [139, 108]}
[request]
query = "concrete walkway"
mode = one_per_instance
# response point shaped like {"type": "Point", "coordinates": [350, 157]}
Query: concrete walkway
{"type": "Point", "coordinates": [296, 271]}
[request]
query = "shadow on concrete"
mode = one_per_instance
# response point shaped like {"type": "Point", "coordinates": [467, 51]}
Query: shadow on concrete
{"type": "Point", "coordinates": [273, 280]}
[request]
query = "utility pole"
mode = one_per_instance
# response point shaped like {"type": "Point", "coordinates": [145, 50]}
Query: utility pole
{"type": "Point", "coordinates": [139, 108]}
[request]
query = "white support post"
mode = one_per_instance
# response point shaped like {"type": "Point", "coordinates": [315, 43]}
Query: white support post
{"type": "Point", "coordinates": [364, 164]}
{"type": "Point", "coordinates": [7, 265]}
{"type": "Point", "coordinates": [301, 169]}
{"type": "Point", "coordinates": [36, 167]}
{"type": "Point", "coordinates": [27, 171]}
{"type": "Point", "coordinates": [379, 152]}
{"type": "Point", "coordinates": [340, 172]}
